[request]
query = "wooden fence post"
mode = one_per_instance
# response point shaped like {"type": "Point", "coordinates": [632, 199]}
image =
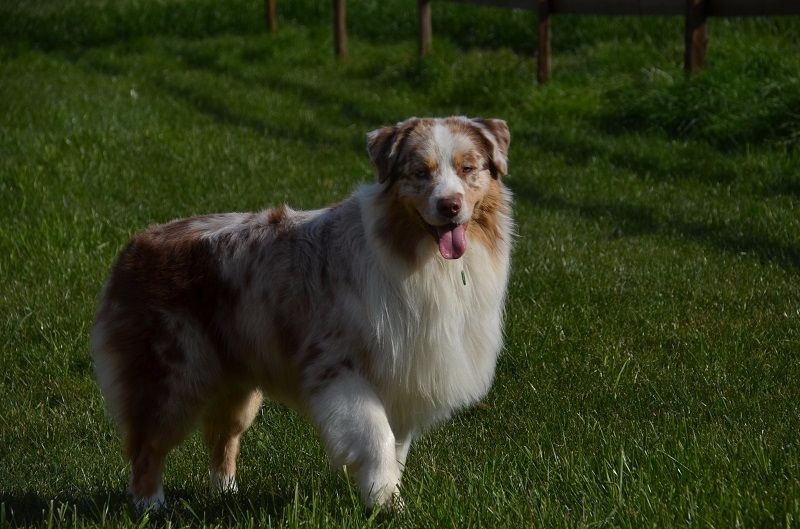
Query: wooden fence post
{"type": "Point", "coordinates": [340, 29]}
{"type": "Point", "coordinates": [695, 38]}
{"type": "Point", "coordinates": [272, 19]}
{"type": "Point", "coordinates": [544, 60]}
{"type": "Point", "coordinates": [425, 27]}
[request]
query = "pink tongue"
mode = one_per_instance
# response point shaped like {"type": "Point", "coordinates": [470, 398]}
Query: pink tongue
{"type": "Point", "coordinates": [452, 240]}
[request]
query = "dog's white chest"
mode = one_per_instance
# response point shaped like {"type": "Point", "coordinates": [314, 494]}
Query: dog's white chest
{"type": "Point", "coordinates": [438, 339]}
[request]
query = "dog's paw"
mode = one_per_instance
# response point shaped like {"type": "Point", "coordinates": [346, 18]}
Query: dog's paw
{"type": "Point", "coordinates": [397, 504]}
{"type": "Point", "coordinates": [386, 498]}
{"type": "Point", "coordinates": [151, 505]}
{"type": "Point", "coordinates": [223, 483]}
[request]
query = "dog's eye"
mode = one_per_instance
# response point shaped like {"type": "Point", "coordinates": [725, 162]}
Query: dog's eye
{"type": "Point", "coordinates": [467, 169]}
{"type": "Point", "coordinates": [422, 174]}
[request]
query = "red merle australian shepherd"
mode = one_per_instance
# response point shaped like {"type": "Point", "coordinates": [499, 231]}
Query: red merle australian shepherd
{"type": "Point", "coordinates": [376, 317]}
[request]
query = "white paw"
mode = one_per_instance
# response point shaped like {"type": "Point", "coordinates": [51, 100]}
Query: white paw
{"type": "Point", "coordinates": [223, 483]}
{"type": "Point", "coordinates": [151, 504]}
{"type": "Point", "coordinates": [386, 497]}
{"type": "Point", "coordinates": [394, 503]}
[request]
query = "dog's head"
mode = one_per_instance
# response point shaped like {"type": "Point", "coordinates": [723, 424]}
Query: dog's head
{"type": "Point", "coordinates": [440, 169]}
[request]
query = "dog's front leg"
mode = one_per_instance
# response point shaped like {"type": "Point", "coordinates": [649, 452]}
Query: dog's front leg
{"type": "Point", "coordinates": [352, 422]}
{"type": "Point", "coordinates": [402, 445]}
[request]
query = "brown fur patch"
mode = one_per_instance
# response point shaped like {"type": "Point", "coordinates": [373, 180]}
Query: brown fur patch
{"type": "Point", "coordinates": [276, 215]}
{"type": "Point", "coordinates": [313, 353]}
{"type": "Point", "coordinates": [388, 147]}
{"type": "Point", "coordinates": [225, 419]}
{"type": "Point", "coordinates": [484, 226]}
{"type": "Point", "coordinates": [289, 335]}
{"type": "Point", "coordinates": [485, 144]}
{"type": "Point", "coordinates": [317, 383]}
{"type": "Point", "coordinates": [400, 229]}
{"type": "Point", "coordinates": [172, 352]}
{"type": "Point", "coordinates": [431, 165]}
{"type": "Point", "coordinates": [468, 159]}
{"type": "Point", "coordinates": [365, 362]}
{"type": "Point", "coordinates": [164, 269]}
{"type": "Point", "coordinates": [329, 374]}
{"type": "Point", "coordinates": [147, 462]}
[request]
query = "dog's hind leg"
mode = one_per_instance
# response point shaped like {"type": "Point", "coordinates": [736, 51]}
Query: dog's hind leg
{"type": "Point", "coordinates": [353, 424]}
{"type": "Point", "coordinates": [147, 467]}
{"type": "Point", "coordinates": [224, 422]}
{"type": "Point", "coordinates": [152, 420]}
{"type": "Point", "coordinates": [147, 449]}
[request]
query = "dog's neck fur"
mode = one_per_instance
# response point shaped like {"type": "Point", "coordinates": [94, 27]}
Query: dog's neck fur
{"type": "Point", "coordinates": [437, 337]}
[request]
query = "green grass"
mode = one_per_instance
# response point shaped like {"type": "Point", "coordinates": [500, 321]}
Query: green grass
{"type": "Point", "coordinates": [652, 361]}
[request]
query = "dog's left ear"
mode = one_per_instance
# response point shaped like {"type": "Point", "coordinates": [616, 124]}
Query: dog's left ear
{"type": "Point", "coordinates": [496, 132]}
{"type": "Point", "coordinates": [384, 145]}
{"type": "Point", "coordinates": [379, 147]}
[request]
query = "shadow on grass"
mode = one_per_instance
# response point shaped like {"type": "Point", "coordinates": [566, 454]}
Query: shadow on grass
{"type": "Point", "coordinates": [787, 188]}
{"type": "Point", "coordinates": [632, 220]}
{"type": "Point", "coordinates": [350, 110]}
{"type": "Point", "coordinates": [102, 507]}
{"type": "Point", "coordinates": [690, 164]}
{"type": "Point", "coordinates": [217, 109]}
{"type": "Point", "coordinates": [30, 508]}
{"type": "Point", "coordinates": [724, 113]}
{"type": "Point", "coordinates": [221, 106]}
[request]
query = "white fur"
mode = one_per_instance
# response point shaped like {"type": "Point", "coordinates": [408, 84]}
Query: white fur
{"type": "Point", "coordinates": [222, 483]}
{"type": "Point", "coordinates": [438, 339]}
{"type": "Point", "coordinates": [357, 434]}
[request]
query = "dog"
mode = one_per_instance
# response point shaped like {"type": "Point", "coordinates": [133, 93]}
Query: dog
{"type": "Point", "coordinates": [376, 317]}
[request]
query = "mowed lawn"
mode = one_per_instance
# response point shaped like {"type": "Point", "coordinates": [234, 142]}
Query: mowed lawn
{"type": "Point", "coordinates": [651, 375]}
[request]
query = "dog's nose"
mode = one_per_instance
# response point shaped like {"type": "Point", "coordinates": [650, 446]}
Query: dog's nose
{"type": "Point", "coordinates": [449, 206]}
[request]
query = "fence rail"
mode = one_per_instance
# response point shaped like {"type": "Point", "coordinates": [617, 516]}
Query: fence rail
{"type": "Point", "coordinates": [722, 8]}
{"type": "Point", "coordinates": [695, 13]}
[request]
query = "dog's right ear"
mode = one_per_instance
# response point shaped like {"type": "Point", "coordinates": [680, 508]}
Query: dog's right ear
{"type": "Point", "coordinates": [384, 146]}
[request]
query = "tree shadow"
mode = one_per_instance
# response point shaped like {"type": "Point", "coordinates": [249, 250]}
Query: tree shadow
{"type": "Point", "coordinates": [693, 165]}
{"type": "Point", "coordinates": [634, 220]}
{"type": "Point", "coordinates": [223, 114]}
{"type": "Point", "coordinates": [717, 112]}
{"type": "Point", "coordinates": [216, 104]}
{"type": "Point", "coordinates": [350, 110]}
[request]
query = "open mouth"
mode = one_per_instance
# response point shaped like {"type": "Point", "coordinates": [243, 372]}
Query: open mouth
{"type": "Point", "coordinates": [451, 238]}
